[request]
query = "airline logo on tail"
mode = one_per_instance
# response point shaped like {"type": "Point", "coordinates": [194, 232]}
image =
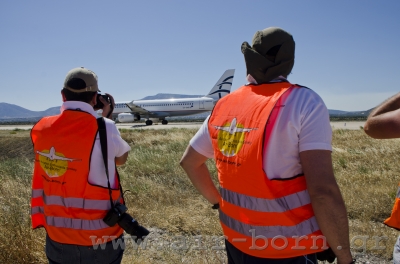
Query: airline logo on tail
{"type": "Point", "coordinates": [219, 90]}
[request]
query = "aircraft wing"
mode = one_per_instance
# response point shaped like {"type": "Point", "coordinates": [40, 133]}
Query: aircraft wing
{"type": "Point", "coordinates": [137, 109]}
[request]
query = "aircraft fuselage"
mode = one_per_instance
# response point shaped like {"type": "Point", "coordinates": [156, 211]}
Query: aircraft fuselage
{"type": "Point", "coordinates": [167, 107]}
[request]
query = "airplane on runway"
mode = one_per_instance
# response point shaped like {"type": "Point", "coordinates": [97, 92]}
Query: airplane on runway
{"type": "Point", "coordinates": [137, 109]}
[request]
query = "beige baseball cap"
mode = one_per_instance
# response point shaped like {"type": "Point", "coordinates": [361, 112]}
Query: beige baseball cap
{"type": "Point", "coordinates": [86, 75]}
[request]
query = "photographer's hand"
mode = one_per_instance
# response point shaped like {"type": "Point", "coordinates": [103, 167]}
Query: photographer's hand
{"type": "Point", "coordinates": [108, 108]}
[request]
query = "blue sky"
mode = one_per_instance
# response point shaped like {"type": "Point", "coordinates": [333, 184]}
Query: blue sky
{"type": "Point", "coordinates": [346, 51]}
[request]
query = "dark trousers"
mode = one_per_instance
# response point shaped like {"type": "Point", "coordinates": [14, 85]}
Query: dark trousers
{"type": "Point", "coordinates": [235, 256]}
{"type": "Point", "coordinates": [108, 253]}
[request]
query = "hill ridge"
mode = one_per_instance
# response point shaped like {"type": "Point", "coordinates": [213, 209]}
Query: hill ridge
{"type": "Point", "coordinates": [12, 111]}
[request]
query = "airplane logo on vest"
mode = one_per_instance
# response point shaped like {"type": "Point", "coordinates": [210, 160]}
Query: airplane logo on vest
{"type": "Point", "coordinates": [231, 137]}
{"type": "Point", "coordinates": [53, 163]}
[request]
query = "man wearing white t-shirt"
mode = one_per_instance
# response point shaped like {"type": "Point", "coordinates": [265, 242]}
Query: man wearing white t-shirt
{"type": "Point", "coordinates": [71, 191]}
{"type": "Point", "coordinates": [271, 141]}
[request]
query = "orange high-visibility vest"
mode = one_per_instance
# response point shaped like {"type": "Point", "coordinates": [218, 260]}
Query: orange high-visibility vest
{"type": "Point", "coordinates": [394, 219]}
{"type": "Point", "coordinates": [63, 201]}
{"type": "Point", "coordinates": [260, 217]}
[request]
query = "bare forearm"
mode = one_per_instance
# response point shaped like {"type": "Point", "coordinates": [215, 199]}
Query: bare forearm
{"type": "Point", "coordinates": [384, 121]}
{"type": "Point", "coordinates": [201, 179]}
{"type": "Point", "coordinates": [122, 159]}
{"type": "Point", "coordinates": [194, 165]}
{"type": "Point", "coordinates": [331, 216]}
{"type": "Point", "coordinates": [389, 105]}
{"type": "Point", "coordinates": [384, 126]}
{"type": "Point", "coordinates": [327, 201]}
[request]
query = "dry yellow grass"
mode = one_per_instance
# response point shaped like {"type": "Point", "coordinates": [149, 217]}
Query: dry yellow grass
{"type": "Point", "coordinates": [184, 228]}
{"type": "Point", "coordinates": [367, 171]}
{"type": "Point", "coordinates": [18, 243]}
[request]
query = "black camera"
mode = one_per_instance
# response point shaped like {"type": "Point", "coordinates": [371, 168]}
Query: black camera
{"type": "Point", "coordinates": [99, 104]}
{"type": "Point", "coordinates": [118, 215]}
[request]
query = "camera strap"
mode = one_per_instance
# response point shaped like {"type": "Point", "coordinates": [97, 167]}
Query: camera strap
{"type": "Point", "coordinates": [103, 142]}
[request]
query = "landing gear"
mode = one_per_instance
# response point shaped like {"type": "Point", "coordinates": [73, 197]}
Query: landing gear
{"type": "Point", "coordinates": [164, 122]}
{"type": "Point", "coordinates": [149, 122]}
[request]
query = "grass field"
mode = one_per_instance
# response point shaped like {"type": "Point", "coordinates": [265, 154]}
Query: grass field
{"type": "Point", "coordinates": [184, 228]}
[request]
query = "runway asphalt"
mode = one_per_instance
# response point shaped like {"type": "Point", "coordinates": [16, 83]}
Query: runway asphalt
{"type": "Point", "coordinates": [193, 125]}
{"type": "Point", "coordinates": [352, 125]}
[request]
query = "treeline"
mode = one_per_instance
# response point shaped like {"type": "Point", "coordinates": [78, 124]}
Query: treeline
{"type": "Point", "coordinates": [348, 118]}
{"type": "Point", "coordinates": [15, 123]}
{"type": "Point", "coordinates": [32, 121]}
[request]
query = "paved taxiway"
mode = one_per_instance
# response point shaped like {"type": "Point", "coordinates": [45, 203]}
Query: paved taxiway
{"type": "Point", "coordinates": [353, 125]}
{"type": "Point", "coordinates": [193, 125]}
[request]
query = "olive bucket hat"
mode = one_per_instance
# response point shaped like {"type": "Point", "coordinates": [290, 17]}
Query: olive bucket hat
{"type": "Point", "coordinates": [271, 54]}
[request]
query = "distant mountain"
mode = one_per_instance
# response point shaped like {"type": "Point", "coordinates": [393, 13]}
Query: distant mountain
{"type": "Point", "coordinates": [339, 113]}
{"type": "Point", "coordinates": [336, 112]}
{"type": "Point", "coordinates": [9, 111]}
{"type": "Point", "coordinates": [169, 96]}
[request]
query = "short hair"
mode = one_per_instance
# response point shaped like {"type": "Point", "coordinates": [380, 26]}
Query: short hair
{"type": "Point", "coordinates": [77, 84]}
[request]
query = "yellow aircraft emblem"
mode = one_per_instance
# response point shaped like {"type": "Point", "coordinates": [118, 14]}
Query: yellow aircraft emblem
{"type": "Point", "coordinates": [231, 137]}
{"type": "Point", "coordinates": [53, 163]}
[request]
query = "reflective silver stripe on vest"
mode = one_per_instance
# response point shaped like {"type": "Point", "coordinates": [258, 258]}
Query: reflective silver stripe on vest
{"type": "Point", "coordinates": [277, 205]}
{"type": "Point", "coordinates": [77, 202]}
{"type": "Point", "coordinates": [37, 193]}
{"type": "Point", "coordinates": [76, 223]}
{"type": "Point", "coordinates": [398, 193]}
{"type": "Point", "coordinates": [37, 209]}
{"type": "Point", "coordinates": [304, 228]}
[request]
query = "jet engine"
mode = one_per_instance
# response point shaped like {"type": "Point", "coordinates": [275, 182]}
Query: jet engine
{"type": "Point", "coordinates": [128, 117]}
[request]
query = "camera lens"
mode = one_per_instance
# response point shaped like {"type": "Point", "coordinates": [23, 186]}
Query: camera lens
{"type": "Point", "coordinates": [128, 224]}
{"type": "Point", "coordinates": [132, 227]}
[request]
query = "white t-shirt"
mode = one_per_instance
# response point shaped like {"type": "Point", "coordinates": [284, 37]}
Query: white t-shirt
{"type": "Point", "coordinates": [302, 124]}
{"type": "Point", "coordinates": [116, 147]}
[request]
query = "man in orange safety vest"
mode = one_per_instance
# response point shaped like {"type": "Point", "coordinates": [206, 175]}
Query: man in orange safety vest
{"type": "Point", "coordinates": [71, 191]}
{"type": "Point", "coordinates": [278, 199]}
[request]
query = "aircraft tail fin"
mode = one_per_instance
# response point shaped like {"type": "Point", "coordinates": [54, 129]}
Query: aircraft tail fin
{"type": "Point", "coordinates": [223, 86]}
